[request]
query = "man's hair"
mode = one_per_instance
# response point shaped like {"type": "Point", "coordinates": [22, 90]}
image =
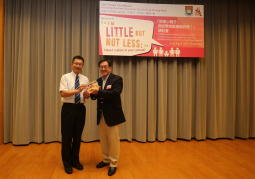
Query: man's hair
{"type": "Point", "coordinates": [78, 57]}
{"type": "Point", "coordinates": [105, 60]}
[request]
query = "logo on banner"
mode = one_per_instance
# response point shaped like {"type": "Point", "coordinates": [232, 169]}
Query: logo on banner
{"type": "Point", "coordinates": [198, 12]}
{"type": "Point", "coordinates": [189, 10]}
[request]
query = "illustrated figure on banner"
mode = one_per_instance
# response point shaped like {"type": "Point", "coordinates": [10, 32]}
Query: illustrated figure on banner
{"type": "Point", "coordinates": [155, 52]}
{"type": "Point", "coordinates": [166, 53]}
{"type": "Point", "coordinates": [161, 51]}
{"type": "Point", "coordinates": [171, 52]}
{"type": "Point", "coordinates": [177, 52]}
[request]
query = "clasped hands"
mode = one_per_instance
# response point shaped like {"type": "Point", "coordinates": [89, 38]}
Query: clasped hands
{"type": "Point", "coordinates": [94, 91]}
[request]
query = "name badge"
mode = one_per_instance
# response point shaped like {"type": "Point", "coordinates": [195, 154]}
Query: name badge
{"type": "Point", "coordinates": [109, 87]}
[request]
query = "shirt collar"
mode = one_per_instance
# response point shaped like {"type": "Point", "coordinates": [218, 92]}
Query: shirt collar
{"type": "Point", "coordinates": [74, 74]}
{"type": "Point", "coordinates": [106, 77]}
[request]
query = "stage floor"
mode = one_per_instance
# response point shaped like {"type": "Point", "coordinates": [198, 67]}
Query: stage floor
{"type": "Point", "coordinates": [222, 158]}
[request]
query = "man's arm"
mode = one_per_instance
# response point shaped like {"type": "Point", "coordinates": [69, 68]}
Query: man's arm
{"type": "Point", "coordinates": [66, 93]}
{"type": "Point", "coordinates": [64, 88]}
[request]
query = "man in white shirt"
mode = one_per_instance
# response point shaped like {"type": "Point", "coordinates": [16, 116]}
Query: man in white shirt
{"type": "Point", "coordinates": [73, 114]}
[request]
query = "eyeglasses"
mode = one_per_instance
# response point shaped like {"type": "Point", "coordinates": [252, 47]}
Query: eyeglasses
{"type": "Point", "coordinates": [103, 67]}
{"type": "Point", "coordinates": [78, 64]}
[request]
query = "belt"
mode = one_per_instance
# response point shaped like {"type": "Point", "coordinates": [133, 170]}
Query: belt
{"type": "Point", "coordinates": [74, 103]}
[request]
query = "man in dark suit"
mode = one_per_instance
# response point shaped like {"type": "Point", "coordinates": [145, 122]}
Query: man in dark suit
{"type": "Point", "coordinates": [109, 114]}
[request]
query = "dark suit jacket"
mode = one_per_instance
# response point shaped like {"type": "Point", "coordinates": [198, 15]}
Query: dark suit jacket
{"type": "Point", "coordinates": [108, 100]}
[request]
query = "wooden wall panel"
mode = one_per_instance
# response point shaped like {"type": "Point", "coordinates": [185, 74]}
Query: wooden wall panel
{"type": "Point", "coordinates": [1, 69]}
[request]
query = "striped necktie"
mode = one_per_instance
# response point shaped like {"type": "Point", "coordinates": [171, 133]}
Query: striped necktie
{"type": "Point", "coordinates": [77, 86]}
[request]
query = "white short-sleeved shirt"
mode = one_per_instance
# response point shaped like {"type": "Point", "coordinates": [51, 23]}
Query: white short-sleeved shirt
{"type": "Point", "coordinates": [67, 83]}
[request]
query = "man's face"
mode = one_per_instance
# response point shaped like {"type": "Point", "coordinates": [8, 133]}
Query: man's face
{"type": "Point", "coordinates": [105, 69]}
{"type": "Point", "coordinates": [77, 66]}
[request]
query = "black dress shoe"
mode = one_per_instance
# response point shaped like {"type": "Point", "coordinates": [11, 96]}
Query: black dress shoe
{"type": "Point", "coordinates": [68, 170]}
{"type": "Point", "coordinates": [78, 166]}
{"type": "Point", "coordinates": [102, 164]}
{"type": "Point", "coordinates": [111, 171]}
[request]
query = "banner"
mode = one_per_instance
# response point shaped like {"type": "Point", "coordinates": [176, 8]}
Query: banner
{"type": "Point", "coordinates": [153, 30]}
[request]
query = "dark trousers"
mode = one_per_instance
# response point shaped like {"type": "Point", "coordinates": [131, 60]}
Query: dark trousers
{"type": "Point", "coordinates": [72, 124]}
